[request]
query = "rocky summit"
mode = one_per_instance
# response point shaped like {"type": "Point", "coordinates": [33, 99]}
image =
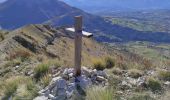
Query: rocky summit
{"type": "Point", "coordinates": [64, 86]}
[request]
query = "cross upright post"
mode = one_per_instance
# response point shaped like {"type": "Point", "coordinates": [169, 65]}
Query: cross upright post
{"type": "Point", "coordinates": [78, 44]}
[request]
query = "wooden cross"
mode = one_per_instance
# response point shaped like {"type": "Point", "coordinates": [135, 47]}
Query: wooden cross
{"type": "Point", "coordinates": [78, 42]}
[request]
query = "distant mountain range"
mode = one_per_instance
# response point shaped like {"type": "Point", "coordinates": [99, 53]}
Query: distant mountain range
{"type": "Point", "coordinates": [18, 13]}
{"type": "Point", "coordinates": [119, 5]}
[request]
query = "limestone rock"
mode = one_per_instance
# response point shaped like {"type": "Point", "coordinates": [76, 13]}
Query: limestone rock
{"type": "Point", "coordinates": [41, 98]}
{"type": "Point", "coordinates": [167, 83]}
{"type": "Point", "coordinates": [100, 78]}
{"type": "Point", "coordinates": [86, 71]}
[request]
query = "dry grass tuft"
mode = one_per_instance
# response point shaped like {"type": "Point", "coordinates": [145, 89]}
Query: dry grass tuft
{"type": "Point", "coordinates": [19, 53]}
{"type": "Point", "coordinates": [164, 75]}
{"type": "Point", "coordinates": [45, 80]}
{"type": "Point", "coordinates": [40, 71]}
{"type": "Point", "coordinates": [147, 64]}
{"type": "Point", "coordinates": [99, 93]}
{"type": "Point", "coordinates": [117, 71]}
{"type": "Point", "coordinates": [98, 64]}
{"type": "Point", "coordinates": [134, 73]}
{"type": "Point", "coordinates": [19, 87]}
{"type": "Point", "coordinates": [109, 62]}
{"type": "Point", "coordinates": [154, 85]}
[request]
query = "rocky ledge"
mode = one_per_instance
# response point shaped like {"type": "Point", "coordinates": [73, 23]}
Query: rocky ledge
{"type": "Point", "coordinates": [65, 86]}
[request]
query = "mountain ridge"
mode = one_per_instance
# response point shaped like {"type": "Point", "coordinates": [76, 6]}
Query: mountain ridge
{"type": "Point", "coordinates": [15, 14]}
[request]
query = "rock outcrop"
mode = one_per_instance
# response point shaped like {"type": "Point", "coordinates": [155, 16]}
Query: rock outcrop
{"type": "Point", "coordinates": [65, 86]}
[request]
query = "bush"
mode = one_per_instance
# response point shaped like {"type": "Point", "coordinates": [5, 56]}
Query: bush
{"type": "Point", "coordinates": [134, 73]}
{"type": "Point", "coordinates": [109, 62]}
{"type": "Point", "coordinates": [99, 93]}
{"type": "Point", "coordinates": [164, 75]}
{"type": "Point", "coordinates": [40, 71]}
{"type": "Point", "coordinates": [98, 65]}
{"type": "Point", "coordinates": [154, 85]}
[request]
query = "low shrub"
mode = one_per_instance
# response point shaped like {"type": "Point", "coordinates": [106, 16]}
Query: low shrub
{"type": "Point", "coordinates": [154, 85]}
{"type": "Point", "coordinates": [98, 65]}
{"type": "Point", "coordinates": [109, 62]}
{"type": "Point", "coordinates": [164, 75]}
{"type": "Point", "coordinates": [40, 71]}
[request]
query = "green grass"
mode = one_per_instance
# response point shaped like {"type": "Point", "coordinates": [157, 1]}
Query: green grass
{"type": "Point", "coordinates": [10, 87]}
{"type": "Point", "coordinates": [99, 93]}
{"type": "Point", "coordinates": [158, 52]}
{"type": "Point", "coordinates": [41, 70]}
{"type": "Point", "coordinates": [164, 75]}
{"type": "Point", "coordinates": [45, 80]}
{"type": "Point", "coordinates": [154, 85]}
{"type": "Point", "coordinates": [19, 87]}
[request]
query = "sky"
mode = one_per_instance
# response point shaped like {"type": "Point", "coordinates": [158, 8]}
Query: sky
{"type": "Point", "coordinates": [118, 4]}
{"type": "Point", "coordinates": [126, 5]}
{"type": "Point", "coordinates": [2, 1]}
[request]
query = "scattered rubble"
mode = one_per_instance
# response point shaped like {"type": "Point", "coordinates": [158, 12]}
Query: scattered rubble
{"type": "Point", "coordinates": [65, 85]}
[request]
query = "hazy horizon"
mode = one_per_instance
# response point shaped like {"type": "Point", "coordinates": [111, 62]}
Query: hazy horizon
{"type": "Point", "coordinates": [119, 5]}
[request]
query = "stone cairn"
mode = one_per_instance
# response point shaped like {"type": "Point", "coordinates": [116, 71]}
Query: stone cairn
{"type": "Point", "coordinates": [65, 86]}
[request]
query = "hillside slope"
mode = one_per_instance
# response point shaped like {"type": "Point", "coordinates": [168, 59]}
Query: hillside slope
{"type": "Point", "coordinates": [33, 49]}
{"type": "Point", "coordinates": [40, 43]}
